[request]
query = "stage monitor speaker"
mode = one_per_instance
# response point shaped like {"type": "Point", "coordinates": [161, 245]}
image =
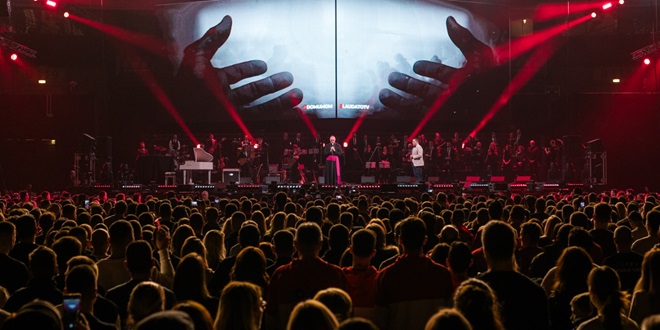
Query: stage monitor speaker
{"type": "Point", "coordinates": [499, 186]}
{"type": "Point", "coordinates": [367, 179]}
{"type": "Point", "coordinates": [497, 179]}
{"type": "Point", "coordinates": [231, 175]}
{"type": "Point", "coordinates": [523, 178]}
{"type": "Point", "coordinates": [433, 179]}
{"type": "Point", "coordinates": [403, 179]}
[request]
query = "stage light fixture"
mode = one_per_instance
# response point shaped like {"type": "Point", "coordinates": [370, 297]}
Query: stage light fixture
{"type": "Point", "coordinates": [616, 80]}
{"type": "Point", "coordinates": [66, 14]}
{"type": "Point", "coordinates": [621, 2]}
{"type": "Point", "coordinates": [41, 81]}
{"type": "Point", "coordinates": [13, 57]}
{"type": "Point", "coordinates": [607, 6]}
{"type": "Point", "coordinates": [256, 146]}
{"type": "Point", "coordinates": [647, 61]}
{"type": "Point", "coordinates": [51, 3]}
{"type": "Point", "coordinates": [345, 144]}
{"type": "Point", "coordinates": [593, 15]}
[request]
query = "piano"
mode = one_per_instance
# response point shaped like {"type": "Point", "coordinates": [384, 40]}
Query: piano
{"type": "Point", "coordinates": [203, 162]}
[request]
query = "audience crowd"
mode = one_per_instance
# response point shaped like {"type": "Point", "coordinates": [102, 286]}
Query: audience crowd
{"type": "Point", "coordinates": [569, 260]}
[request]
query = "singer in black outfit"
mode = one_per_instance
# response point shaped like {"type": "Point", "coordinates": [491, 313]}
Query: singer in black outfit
{"type": "Point", "coordinates": [332, 171]}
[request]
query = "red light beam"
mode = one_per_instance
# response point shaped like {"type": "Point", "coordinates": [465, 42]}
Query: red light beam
{"type": "Point", "coordinates": [535, 62]}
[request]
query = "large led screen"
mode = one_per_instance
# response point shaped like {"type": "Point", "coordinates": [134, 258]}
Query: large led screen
{"type": "Point", "coordinates": [328, 58]}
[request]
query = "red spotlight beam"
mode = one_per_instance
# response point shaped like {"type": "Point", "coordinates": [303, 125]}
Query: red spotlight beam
{"type": "Point", "coordinates": [151, 83]}
{"type": "Point", "coordinates": [526, 43]}
{"type": "Point", "coordinates": [553, 10]}
{"type": "Point", "coordinates": [531, 67]}
{"type": "Point", "coordinates": [454, 84]}
{"type": "Point", "coordinates": [357, 124]}
{"type": "Point", "coordinates": [360, 119]}
{"type": "Point", "coordinates": [308, 122]}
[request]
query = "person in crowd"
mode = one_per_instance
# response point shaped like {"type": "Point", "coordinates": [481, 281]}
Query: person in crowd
{"type": "Point", "coordinates": [26, 234]}
{"type": "Point", "coordinates": [581, 309]}
{"type": "Point", "coordinates": [627, 264]}
{"type": "Point", "coordinates": [41, 285]}
{"type": "Point", "coordinates": [448, 318]}
{"type": "Point", "coordinates": [198, 313]}
{"type": "Point", "coordinates": [291, 283]}
{"type": "Point", "coordinates": [401, 302]}
{"type": "Point", "coordinates": [610, 302]}
{"type": "Point", "coordinates": [337, 301]}
{"type": "Point", "coordinates": [214, 241]}
{"type": "Point", "coordinates": [139, 264]}
{"type": "Point", "coordinates": [338, 241]}
{"type": "Point", "coordinates": [111, 269]}
{"type": "Point", "coordinates": [38, 314]}
{"type": "Point", "coordinates": [642, 245]}
{"type": "Point", "coordinates": [311, 314]}
{"type": "Point", "coordinates": [241, 307]}
{"type": "Point", "coordinates": [146, 298]}
{"type": "Point", "coordinates": [190, 283]}
{"type": "Point", "coordinates": [361, 275]}
{"type": "Point", "coordinates": [647, 290]}
{"type": "Point", "coordinates": [14, 274]}
{"type": "Point", "coordinates": [250, 267]}
{"type": "Point", "coordinates": [530, 233]}
{"type": "Point", "coordinates": [570, 279]}
{"type": "Point", "coordinates": [602, 235]}
{"type": "Point", "coordinates": [524, 303]}
{"type": "Point", "coordinates": [283, 246]}
{"type": "Point", "coordinates": [477, 302]}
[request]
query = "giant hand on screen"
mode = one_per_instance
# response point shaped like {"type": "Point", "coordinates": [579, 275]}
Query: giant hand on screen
{"type": "Point", "coordinates": [478, 55]}
{"type": "Point", "coordinates": [196, 66]}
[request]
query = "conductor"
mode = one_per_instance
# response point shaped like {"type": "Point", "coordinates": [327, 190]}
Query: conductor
{"type": "Point", "coordinates": [332, 171]}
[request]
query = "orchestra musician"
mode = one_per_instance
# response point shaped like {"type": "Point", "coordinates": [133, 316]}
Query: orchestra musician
{"type": "Point", "coordinates": [449, 155]}
{"type": "Point", "coordinates": [493, 158]}
{"type": "Point", "coordinates": [294, 173]}
{"type": "Point", "coordinates": [552, 155]}
{"type": "Point", "coordinates": [478, 156]}
{"type": "Point", "coordinates": [520, 160]}
{"type": "Point", "coordinates": [508, 162]}
{"type": "Point", "coordinates": [142, 150]}
{"type": "Point", "coordinates": [354, 153]}
{"type": "Point", "coordinates": [533, 159]}
{"type": "Point", "coordinates": [332, 171]}
{"type": "Point", "coordinates": [384, 157]}
{"type": "Point", "coordinates": [174, 146]}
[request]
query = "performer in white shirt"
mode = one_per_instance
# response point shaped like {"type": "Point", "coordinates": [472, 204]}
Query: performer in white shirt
{"type": "Point", "coordinates": [417, 158]}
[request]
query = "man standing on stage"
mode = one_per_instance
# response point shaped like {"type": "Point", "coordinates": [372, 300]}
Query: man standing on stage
{"type": "Point", "coordinates": [417, 158]}
{"type": "Point", "coordinates": [332, 171]}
